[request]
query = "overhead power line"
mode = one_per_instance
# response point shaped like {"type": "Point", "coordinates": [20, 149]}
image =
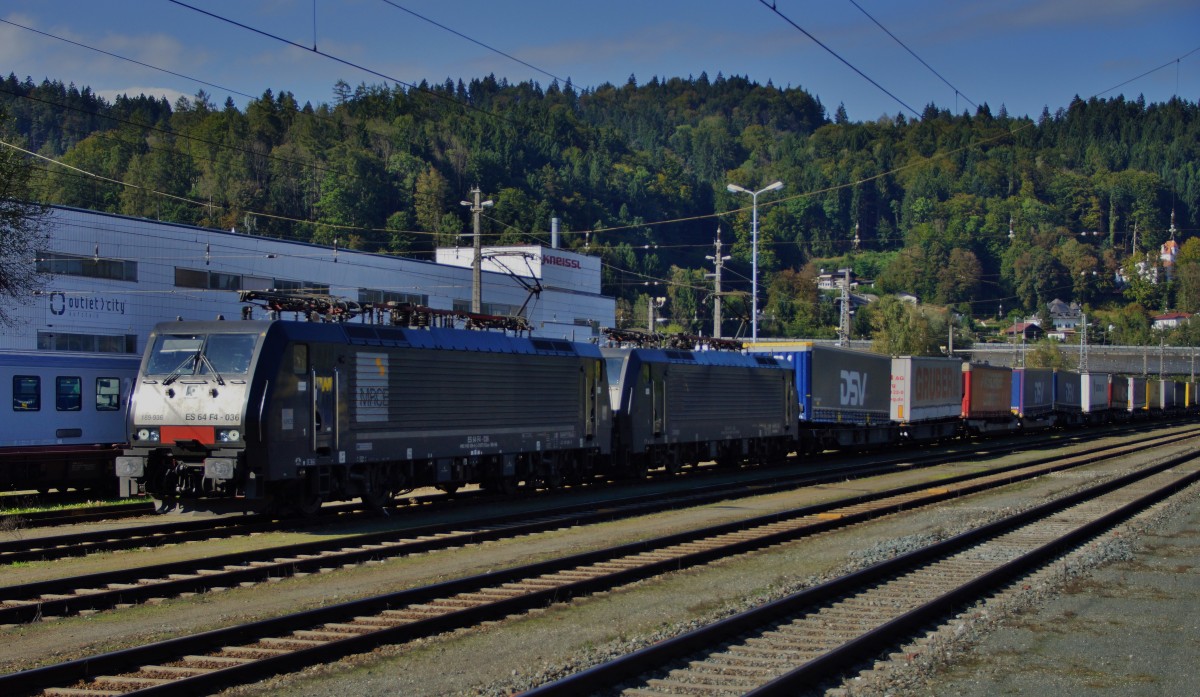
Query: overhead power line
{"type": "Point", "coordinates": [771, 6]}
{"type": "Point", "coordinates": [1152, 70]}
{"type": "Point", "coordinates": [352, 64]}
{"type": "Point", "coordinates": [957, 92]}
{"type": "Point", "coordinates": [474, 41]}
{"type": "Point", "coordinates": [130, 60]}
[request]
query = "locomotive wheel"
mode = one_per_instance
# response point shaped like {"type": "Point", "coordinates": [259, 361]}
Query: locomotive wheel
{"type": "Point", "coordinates": [308, 504]}
{"type": "Point", "coordinates": [378, 494]}
{"type": "Point", "coordinates": [448, 489]}
{"type": "Point", "coordinates": [502, 485]}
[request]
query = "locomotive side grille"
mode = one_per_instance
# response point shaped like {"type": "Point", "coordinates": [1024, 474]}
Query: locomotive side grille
{"type": "Point", "coordinates": [431, 390]}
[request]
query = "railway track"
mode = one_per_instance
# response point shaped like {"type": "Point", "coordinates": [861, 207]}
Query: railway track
{"type": "Point", "coordinates": [219, 658]}
{"type": "Point", "coordinates": [798, 643]}
{"type": "Point", "coordinates": [72, 595]}
{"type": "Point", "coordinates": [53, 547]}
{"type": "Point", "coordinates": [72, 516]}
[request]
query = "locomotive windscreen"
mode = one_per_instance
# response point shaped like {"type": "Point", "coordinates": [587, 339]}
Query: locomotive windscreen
{"type": "Point", "coordinates": [223, 354]}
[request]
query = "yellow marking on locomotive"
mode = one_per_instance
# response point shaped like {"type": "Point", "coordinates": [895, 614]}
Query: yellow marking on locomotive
{"type": "Point", "coordinates": [379, 364]}
{"type": "Point", "coordinates": [325, 383]}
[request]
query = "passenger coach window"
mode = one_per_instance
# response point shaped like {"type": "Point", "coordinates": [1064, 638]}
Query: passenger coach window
{"type": "Point", "coordinates": [68, 393]}
{"type": "Point", "coordinates": [108, 394]}
{"type": "Point", "coordinates": [27, 393]}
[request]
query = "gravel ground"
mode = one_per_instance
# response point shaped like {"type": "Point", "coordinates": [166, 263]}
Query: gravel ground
{"type": "Point", "coordinates": [526, 651]}
{"type": "Point", "coordinates": [520, 652]}
{"type": "Point", "coordinates": [1128, 627]}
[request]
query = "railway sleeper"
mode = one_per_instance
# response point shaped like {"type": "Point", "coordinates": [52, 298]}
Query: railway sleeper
{"type": "Point", "coordinates": [349, 629]}
{"type": "Point", "coordinates": [711, 679]}
{"type": "Point", "coordinates": [763, 660]}
{"type": "Point", "coordinates": [724, 668]}
{"type": "Point", "coordinates": [125, 682]}
{"type": "Point", "coordinates": [293, 643]}
{"type": "Point", "coordinates": [252, 652]}
{"type": "Point", "coordinates": [675, 687]}
{"type": "Point", "coordinates": [322, 635]}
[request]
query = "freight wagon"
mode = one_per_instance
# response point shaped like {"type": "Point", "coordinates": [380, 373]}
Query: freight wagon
{"type": "Point", "coordinates": [1033, 397]}
{"type": "Point", "coordinates": [987, 395]}
{"type": "Point", "coordinates": [926, 396]}
{"type": "Point", "coordinates": [843, 395]}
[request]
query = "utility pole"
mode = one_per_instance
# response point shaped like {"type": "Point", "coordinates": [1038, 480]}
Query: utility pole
{"type": "Point", "coordinates": [718, 262]}
{"type": "Point", "coordinates": [1083, 354]}
{"type": "Point", "coordinates": [844, 324]}
{"type": "Point", "coordinates": [477, 262]}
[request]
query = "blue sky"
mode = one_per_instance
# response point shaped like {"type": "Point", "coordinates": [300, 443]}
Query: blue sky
{"type": "Point", "coordinates": [1022, 54]}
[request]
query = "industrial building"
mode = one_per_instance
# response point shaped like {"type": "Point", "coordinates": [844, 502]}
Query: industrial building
{"type": "Point", "coordinates": [111, 278]}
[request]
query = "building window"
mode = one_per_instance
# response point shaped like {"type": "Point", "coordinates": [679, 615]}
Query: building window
{"type": "Point", "coordinates": [27, 393]}
{"type": "Point", "coordinates": [88, 343]}
{"type": "Point", "coordinates": [378, 297]}
{"type": "Point", "coordinates": [89, 267]}
{"type": "Point", "coordinates": [224, 281]}
{"type": "Point", "coordinates": [68, 393]}
{"type": "Point", "coordinates": [108, 394]}
{"type": "Point", "coordinates": [190, 278]}
{"type": "Point", "coordinates": [302, 286]}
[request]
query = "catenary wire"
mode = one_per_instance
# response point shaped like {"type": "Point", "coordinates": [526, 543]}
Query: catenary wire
{"type": "Point", "coordinates": [913, 54]}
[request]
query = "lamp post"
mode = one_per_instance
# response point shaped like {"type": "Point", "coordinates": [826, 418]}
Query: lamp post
{"type": "Point", "coordinates": [477, 262]}
{"type": "Point", "coordinates": [734, 188]}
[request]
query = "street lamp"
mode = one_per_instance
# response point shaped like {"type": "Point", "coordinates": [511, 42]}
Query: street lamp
{"type": "Point", "coordinates": [477, 261]}
{"type": "Point", "coordinates": [734, 188]}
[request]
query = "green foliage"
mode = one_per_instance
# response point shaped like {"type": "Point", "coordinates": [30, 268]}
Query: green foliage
{"type": "Point", "coordinates": [1048, 353]}
{"type": "Point", "coordinates": [975, 209]}
{"type": "Point", "coordinates": [903, 329]}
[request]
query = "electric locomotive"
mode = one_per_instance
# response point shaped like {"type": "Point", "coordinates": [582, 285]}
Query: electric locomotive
{"type": "Point", "coordinates": [683, 406]}
{"type": "Point", "coordinates": [266, 413]}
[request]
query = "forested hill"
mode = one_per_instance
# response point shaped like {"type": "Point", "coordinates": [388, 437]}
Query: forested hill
{"type": "Point", "coordinates": [638, 173]}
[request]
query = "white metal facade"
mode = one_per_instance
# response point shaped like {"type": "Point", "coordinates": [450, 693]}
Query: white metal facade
{"type": "Point", "coordinates": [114, 277]}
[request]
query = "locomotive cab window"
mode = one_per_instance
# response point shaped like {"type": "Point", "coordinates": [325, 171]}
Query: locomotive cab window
{"type": "Point", "coordinates": [68, 393]}
{"type": "Point", "coordinates": [228, 354]}
{"type": "Point", "coordinates": [108, 394]}
{"type": "Point", "coordinates": [27, 393]}
{"type": "Point", "coordinates": [221, 354]}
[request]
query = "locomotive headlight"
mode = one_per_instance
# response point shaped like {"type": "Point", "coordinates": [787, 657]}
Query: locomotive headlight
{"type": "Point", "coordinates": [229, 435]}
{"type": "Point", "coordinates": [148, 434]}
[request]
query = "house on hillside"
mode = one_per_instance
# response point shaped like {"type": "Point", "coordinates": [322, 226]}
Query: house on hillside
{"type": "Point", "coordinates": [1169, 320]}
{"type": "Point", "coordinates": [1029, 331]}
{"type": "Point", "coordinates": [1065, 317]}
